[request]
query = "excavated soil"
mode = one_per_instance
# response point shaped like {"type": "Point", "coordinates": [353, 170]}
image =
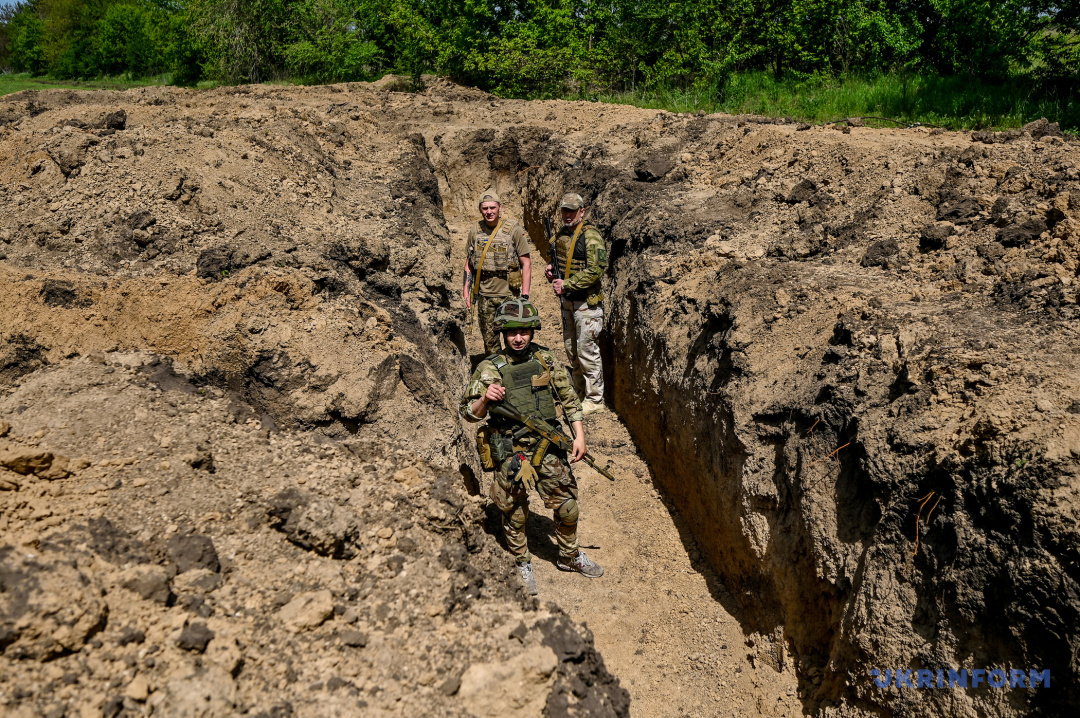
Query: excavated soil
{"type": "Point", "coordinates": [842, 364]}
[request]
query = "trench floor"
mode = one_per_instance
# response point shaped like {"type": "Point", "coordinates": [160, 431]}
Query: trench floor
{"type": "Point", "coordinates": [661, 617]}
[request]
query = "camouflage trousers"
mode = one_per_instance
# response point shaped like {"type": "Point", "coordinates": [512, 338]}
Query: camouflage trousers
{"type": "Point", "coordinates": [558, 489]}
{"type": "Point", "coordinates": [486, 309]}
{"type": "Point", "coordinates": [581, 328]}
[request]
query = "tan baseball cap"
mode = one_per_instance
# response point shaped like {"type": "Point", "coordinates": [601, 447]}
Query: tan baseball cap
{"type": "Point", "coordinates": [489, 196]}
{"type": "Point", "coordinates": [571, 201]}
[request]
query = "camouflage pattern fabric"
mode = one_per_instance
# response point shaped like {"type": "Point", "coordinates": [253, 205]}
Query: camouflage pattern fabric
{"type": "Point", "coordinates": [558, 489]}
{"type": "Point", "coordinates": [582, 325]}
{"type": "Point", "coordinates": [501, 273]}
{"type": "Point", "coordinates": [486, 309]}
{"type": "Point", "coordinates": [583, 283]}
{"type": "Point", "coordinates": [486, 374]}
{"type": "Point", "coordinates": [557, 486]}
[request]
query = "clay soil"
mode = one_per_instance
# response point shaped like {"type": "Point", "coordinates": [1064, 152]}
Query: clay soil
{"type": "Point", "coordinates": [235, 482]}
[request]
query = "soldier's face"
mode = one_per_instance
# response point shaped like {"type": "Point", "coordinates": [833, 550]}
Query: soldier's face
{"type": "Point", "coordinates": [570, 217]}
{"type": "Point", "coordinates": [518, 339]}
{"type": "Point", "coordinates": [490, 210]}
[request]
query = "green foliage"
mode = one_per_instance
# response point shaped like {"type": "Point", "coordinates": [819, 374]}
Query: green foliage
{"type": "Point", "coordinates": [18, 81]}
{"type": "Point", "coordinates": [244, 40]}
{"type": "Point", "coordinates": [543, 54]}
{"type": "Point", "coordinates": [953, 102]}
{"type": "Point", "coordinates": [125, 41]}
{"type": "Point", "coordinates": [24, 34]}
{"type": "Point", "coordinates": [971, 61]}
{"type": "Point", "coordinates": [328, 44]}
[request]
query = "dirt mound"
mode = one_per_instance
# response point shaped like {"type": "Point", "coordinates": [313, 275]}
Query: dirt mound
{"type": "Point", "coordinates": [232, 478]}
{"type": "Point", "coordinates": [189, 561]}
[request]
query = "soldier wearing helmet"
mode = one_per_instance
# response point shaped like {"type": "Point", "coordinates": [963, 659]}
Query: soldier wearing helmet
{"type": "Point", "coordinates": [495, 250]}
{"type": "Point", "coordinates": [527, 376]}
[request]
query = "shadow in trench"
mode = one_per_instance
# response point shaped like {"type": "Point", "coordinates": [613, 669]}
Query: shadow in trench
{"type": "Point", "coordinates": [539, 532]}
{"type": "Point", "coordinates": [715, 583]}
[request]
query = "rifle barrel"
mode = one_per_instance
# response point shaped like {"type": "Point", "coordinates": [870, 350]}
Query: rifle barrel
{"type": "Point", "coordinates": [543, 427]}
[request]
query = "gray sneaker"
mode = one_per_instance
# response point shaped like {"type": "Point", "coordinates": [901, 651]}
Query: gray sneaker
{"type": "Point", "coordinates": [527, 575]}
{"type": "Point", "coordinates": [581, 564]}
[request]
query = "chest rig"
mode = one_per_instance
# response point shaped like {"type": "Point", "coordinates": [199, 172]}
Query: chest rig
{"type": "Point", "coordinates": [500, 256]}
{"type": "Point", "coordinates": [572, 264]}
{"type": "Point", "coordinates": [528, 385]}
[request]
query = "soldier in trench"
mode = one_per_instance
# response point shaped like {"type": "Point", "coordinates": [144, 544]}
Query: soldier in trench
{"type": "Point", "coordinates": [527, 376]}
{"type": "Point", "coordinates": [579, 258]}
{"type": "Point", "coordinates": [495, 250]}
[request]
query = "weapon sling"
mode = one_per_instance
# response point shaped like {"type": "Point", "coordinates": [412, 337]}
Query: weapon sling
{"type": "Point", "coordinates": [476, 281]}
{"type": "Point", "coordinates": [570, 254]}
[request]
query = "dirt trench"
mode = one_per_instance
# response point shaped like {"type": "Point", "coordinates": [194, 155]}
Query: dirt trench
{"type": "Point", "coordinates": [847, 359]}
{"type": "Point", "coordinates": [842, 365]}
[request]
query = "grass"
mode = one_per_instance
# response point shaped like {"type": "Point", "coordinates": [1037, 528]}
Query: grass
{"type": "Point", "coordinates": [15, 82]}
{"type": "Point", "coordinates": [953, 102]}
{"type": "Point", "coordinates": [958, 103]}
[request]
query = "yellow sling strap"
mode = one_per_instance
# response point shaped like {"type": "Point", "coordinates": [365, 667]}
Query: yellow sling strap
{"type": "Point", "coordinates": [570, 254]}
{"type": "Point", "coordinates": [483, 255]}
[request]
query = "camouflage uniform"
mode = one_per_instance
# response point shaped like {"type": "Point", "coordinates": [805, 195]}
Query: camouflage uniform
{"type": "Point", "coordinates": [486, 309]}
{"type": "Point", "coordinates": [497, 271]}
{"type": "Point", "coordinates": [583, 307]}
{"type": "Point", "coordinates": [556, 483]}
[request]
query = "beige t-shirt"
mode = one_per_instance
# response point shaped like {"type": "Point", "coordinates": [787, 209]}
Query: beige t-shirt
{"type": "Point", "coordinates": [497, 284]}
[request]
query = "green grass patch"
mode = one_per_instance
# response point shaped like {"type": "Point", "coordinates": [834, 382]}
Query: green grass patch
{"type": "Point", "coordinates": [953, 102]}
{"type": "Point", "coordinates": [13, 82]}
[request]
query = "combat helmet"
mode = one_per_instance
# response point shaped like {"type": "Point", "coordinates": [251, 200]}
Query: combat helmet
{"type": "Point", "coordinates": [516, 314]}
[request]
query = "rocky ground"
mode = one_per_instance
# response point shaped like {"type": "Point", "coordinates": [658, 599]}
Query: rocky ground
{"type": "Point", "coordinates": [843, 361]}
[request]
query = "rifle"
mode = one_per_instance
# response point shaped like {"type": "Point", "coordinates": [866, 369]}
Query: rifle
{"type": "Point", "coordinates": [552, 254]}
{"type": "Point", "coordinates": [548, 435]}
{"type": "Point", "coordinates": [472, 297]}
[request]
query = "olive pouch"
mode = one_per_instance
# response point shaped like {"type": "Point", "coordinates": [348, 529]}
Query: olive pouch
{"type": "Point", "coordinates": [483, 447]}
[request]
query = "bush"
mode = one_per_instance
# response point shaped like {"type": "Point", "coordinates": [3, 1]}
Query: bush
{"type": "Point", "coordinates": [25, 33]}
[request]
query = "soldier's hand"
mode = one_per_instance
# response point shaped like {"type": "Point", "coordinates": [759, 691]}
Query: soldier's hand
{"type": "Point", "coordinates": [557, 286]}
{"type": "Point", "coordinates": [495, 392]}
{"type": "Point", "coordinates": [548, 273]}
{"type": "Point", "coordinates": [579, 448]}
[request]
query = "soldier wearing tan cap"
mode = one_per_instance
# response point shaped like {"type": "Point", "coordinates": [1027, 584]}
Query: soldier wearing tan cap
{"type": "Point", "coordinates": [495, 249]}
{"type": "Point", "coordinates": [578, 261]}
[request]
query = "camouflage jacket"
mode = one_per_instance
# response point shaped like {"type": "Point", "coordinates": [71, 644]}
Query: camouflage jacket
{"type": "Point", "coordinates": [584, 284]}
{"type": "Point", "coordinates": [486, 374]}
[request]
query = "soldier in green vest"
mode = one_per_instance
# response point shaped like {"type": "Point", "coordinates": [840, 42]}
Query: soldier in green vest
{"type": "Point", "coordinates": [496, 248]}
{"type": "Point", "coordinates": [527, 376]}
{"type": "Point", "coordinates": [579, 258]}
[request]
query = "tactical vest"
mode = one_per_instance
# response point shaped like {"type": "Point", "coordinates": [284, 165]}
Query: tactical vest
{"type": "Point", "coordinates": [528, 385]}
{"type": "Point", "coordinates": [580, 258]}
{"type": "Point", "coordinates": [502, 256]}
{"type": "Point", "coordinates": [593, 294]}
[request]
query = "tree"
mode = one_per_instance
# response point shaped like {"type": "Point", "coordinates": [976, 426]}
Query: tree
{"type": "Point", "coordinates": [24, 38]}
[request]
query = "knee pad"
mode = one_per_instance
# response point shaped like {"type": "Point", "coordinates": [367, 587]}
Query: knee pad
{"type": "Point", "coordinates": [568, 512]}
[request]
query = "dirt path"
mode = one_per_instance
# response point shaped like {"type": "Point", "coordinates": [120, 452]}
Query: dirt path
{"type": "Point", "coordinates": [661, 617]}
{"type": "Point", "coordinates": [659, 613]}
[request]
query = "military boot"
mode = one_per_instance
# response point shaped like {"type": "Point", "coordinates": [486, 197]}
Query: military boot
{"type": "Point", "coordinates": [581, 564]}
{"type": "Point", "coordinates": [592, 407]}
{"type": "Point", "coordinates": [527, 575]}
